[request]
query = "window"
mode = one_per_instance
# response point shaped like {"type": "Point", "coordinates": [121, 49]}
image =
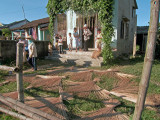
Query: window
{"type": "Point", "coordinates": [124, 34]}
{"type": "Point", "coordinates": [122, 29]}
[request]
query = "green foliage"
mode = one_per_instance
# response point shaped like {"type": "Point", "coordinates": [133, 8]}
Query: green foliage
{"type": "Point", "coordinates": [2, 75]}
{"type": "Point", "coordinates": [6, 32]}
{"type": "Point", "coordinates": [104, 8]}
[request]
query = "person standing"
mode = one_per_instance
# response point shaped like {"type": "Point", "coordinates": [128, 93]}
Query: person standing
{"type": "Point", "coordinates": [76, 37]}
{"type": "Point", "coordinates": [87, 33]}
{"type": "Point", "coordinates": [60, 44]}
{"type": "Point", "coordinates": [70, 44]}
{"type": "Point", "coordinates": [99, 40]}
{"type": "Point", "coordinates": [32, 53]}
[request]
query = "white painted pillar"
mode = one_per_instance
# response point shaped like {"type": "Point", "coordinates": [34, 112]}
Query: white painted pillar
{"type": "Point", "coordinates": [43, 35]}
{"type": "Point", "coordinates": [12, 36]}
{"type": "Point", "coordinates": [39, 33]}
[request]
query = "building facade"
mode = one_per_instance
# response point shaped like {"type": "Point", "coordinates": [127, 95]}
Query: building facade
{"type": "Point", "coordinates": [124, 23]}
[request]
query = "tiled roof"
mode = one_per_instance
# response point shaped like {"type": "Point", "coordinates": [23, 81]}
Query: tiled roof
{"type": "Point", "coordinates": [14, 23]}
{"type": "Point", "coordinates": [37, 22]}
{"type": "Point", "coordinates": [142, 29]}
{"type": "Point", "coordinates": [34, 23]}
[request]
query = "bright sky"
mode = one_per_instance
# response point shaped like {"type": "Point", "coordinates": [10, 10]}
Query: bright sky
{"type": "Point", "coordinates": [11, 10]}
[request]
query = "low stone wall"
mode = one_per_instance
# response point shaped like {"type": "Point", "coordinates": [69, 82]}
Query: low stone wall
{"type": "Point", "coordinates": [8, 49]}
{"type": "Point", "coordinates": [42, 48]}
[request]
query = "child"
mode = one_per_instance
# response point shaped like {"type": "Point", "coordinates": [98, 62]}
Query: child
{"type": "Point", "coordinates": [50, 48]}
{"type": "Point", "coordinates": [60, 44]}
{"type": "Point", "coordinates": [99, 40]}
{"type": "Point", "coordinates": [76, 37]}
{"type": "Point", "coordinates": [70, 44]}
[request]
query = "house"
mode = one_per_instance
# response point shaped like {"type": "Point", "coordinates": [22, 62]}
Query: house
{"type": "Point", "coordinates": [15, 25]}
{"type": "Point", "coordinates": [142, 34]}
{"type": "Point", "coordinates": [37, 28]}
{"type": "Point", "coordinates": [124, 23]}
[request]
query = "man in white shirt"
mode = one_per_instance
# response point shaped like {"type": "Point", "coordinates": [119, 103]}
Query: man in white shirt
{"type": "Point", "coordinates": [87, 33]}
{"type": "Point", "coordinates": [32, 52]}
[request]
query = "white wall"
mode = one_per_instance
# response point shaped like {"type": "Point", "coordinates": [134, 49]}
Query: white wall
{"type": "Point", "coordinates": [125, 45]}
{"type": "Point", "coordinates": [71, 23]}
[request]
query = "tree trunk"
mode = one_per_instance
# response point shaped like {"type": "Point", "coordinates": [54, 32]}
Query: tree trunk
{"type": "Point", "coordinates": [149, 56]}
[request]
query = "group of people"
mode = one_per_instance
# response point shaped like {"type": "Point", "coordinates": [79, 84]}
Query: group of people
{"type": "Point", "coordinates": [86, 33]}
{"type": "Point", "coordinates": [29, 50]}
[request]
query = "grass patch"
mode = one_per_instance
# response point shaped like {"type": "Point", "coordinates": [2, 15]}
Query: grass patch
{"type": "Point", "coordinates": [107, 82]}
{"type": "Point", "coordinates": [11, 87]}
{"type": "Point", "coordinates": [36, 92]}
{"type": "Point", "coordinates": [4, 116]}
{"type": "Point", "coordinates": [38, 72]}
{"type": "Point", "coordinates": [128, 107]}
{"type": "Point", "coordinates": [136, 67]}
{"type": "Point", "coordinates": [80, 104]}
{"type": "Point", "coordinates": [3, 74]}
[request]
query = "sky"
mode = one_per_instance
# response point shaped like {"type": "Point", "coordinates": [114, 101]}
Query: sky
{"type": "Point", "coordinates": [11, 10]}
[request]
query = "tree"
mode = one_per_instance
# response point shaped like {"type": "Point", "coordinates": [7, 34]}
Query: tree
{"type": "Point", "coordinates": [6, 32]}
{"type": "Point", "coordinates": [148, 60]}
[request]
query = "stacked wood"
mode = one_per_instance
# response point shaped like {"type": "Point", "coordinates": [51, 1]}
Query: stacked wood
{"type": "Point", "coordinates": [27, 110]}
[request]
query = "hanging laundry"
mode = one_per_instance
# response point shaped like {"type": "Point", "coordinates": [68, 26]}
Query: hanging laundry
{"type": "Point", "coordinates": [34, 33]}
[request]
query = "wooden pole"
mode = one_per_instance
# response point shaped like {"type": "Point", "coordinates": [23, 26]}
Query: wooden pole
{"type": "Point", "coordinates": [19, 75]}
{"type": "Point", "coordinates": [25, 109]}
{"type": "Point", "coordinates": [14, 114]}
{"type": "Point", "coordinates": [149, 56]}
